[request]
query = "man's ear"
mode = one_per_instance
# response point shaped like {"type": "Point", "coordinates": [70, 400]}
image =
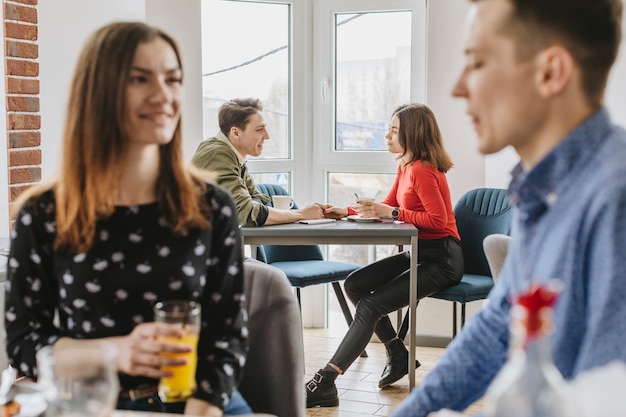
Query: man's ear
{"type": "Point", "coordinates": [555, 69]}
{"type": "Point", "coordinates": [233, 132]}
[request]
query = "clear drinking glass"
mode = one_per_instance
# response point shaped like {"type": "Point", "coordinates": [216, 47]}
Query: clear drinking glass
{"type": "Point", "coordinates": [182, 384]}
{"type": "Point", "coordinates": [529, 384]}
{"type": "Point", "coordinates": [79, 381]}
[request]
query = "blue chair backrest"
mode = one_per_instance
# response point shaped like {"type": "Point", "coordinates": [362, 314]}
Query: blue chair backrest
{"type": "Point", "coordinates": [280, 253]}
{"type": "Point", "coordinates": [481, 212]}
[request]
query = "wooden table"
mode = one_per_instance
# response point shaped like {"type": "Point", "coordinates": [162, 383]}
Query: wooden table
{"type": "Point", "coordinates": [347, 233]}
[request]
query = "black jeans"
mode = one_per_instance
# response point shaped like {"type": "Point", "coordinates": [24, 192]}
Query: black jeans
{"type": "Point", "coordinates": [383, 287]}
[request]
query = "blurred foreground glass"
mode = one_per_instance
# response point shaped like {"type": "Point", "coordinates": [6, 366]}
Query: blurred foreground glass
{"type": "Point", "coordinates": [79, 381]}
{"type": "Point", "coordinates": [529, 384]}
{"type": "Point", "coordinates": [182, 384]}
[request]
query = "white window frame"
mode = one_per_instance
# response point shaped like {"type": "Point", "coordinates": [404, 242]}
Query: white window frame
{"type": "Point", "coordinates": [326, 159]}
{"type": "Point", "coordinates": [312, 119]}
{"type": "Point", "coordinates": [297, 165]}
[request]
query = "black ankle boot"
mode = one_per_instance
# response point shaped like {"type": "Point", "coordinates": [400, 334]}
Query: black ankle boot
{"type": "Point", "coordinates": [397, 363]}
{"type": "Point", "coordinates": [321, 390]}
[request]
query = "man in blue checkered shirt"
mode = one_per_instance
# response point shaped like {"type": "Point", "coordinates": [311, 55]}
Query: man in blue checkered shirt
{"type": "Point", "coordinates": [535, 76]}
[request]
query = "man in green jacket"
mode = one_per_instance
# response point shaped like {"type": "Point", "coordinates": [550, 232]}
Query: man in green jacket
{"type": "Point", "coordinates": [242, 134]}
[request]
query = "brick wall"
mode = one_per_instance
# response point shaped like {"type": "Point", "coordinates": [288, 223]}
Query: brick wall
{"type": "Point", "coordinates": [22, 94]}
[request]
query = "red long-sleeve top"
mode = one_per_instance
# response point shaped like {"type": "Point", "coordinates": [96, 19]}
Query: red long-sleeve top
{"type": "Point", "coordinates": [422, 194]}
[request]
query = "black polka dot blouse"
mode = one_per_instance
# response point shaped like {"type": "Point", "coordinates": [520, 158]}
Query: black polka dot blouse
{"type": "Point", "coordinates": [135, 261]}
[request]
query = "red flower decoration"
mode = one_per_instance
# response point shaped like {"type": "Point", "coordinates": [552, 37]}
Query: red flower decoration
{"type": "Point", "coordinates": [534, 301]}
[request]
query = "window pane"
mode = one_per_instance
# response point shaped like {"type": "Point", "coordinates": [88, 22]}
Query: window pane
{"type": "Point", "coordinates": [341, 190]}
{"type": "Point", "coordinates": [280, 178]}
{"type": "Point", "coordinates": [343, 185]}
{"type": "Point", "coordinates": [246, 54]}
{"type": "Point", "coordinates": [373, 76]}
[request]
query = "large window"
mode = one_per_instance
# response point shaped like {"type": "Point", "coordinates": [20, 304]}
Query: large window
{"type": "Point", "coordinates": [246, 53]}
{"type": "Point", "coordinates": [329, 81]}
{"type": "Point", "coordinates": [374, 61]}
{"type": "Point", "coordinates": [370, 58]}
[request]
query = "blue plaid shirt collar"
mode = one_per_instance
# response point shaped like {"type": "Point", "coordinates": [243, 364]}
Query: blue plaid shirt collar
{"type": "Point", "coordinates": [534, 191]}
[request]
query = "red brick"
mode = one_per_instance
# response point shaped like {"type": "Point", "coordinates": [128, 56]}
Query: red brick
{"type": "Point", "coordinates": [21, 121]}
{"type": "Point", "coordinates": [24, 139]}
{"type": "Point", "coordinates": [23, 104]}
{"type": "Point", "coordinates": [21, 49]}
{"type": "Point", "coordinates": [24, 175]}
{"type": "Point", "coordinates": [24, 157]}
{"type": "Point", "coordinates": [22, 67]}
{"type": "Point", "coordinates": [14, 192]}
{"type": "Point", "coordinates": [21, 13]}
{"type": "Point", "coordinates": [20, 31]}
{"type": "Point", "coordinates": [22, 86]}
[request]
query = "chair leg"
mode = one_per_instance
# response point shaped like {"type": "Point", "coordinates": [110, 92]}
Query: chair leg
{"type": "Point", "coordinates": [342, 303]}
{"type": "Point", "coordinates": [344, 308]}
{"type": "Point", "coordinates": [404, 328]}
{"type": "Point", "coordinates": [462, 315]}
{"type": "Point", "coordinates": [454, 319]}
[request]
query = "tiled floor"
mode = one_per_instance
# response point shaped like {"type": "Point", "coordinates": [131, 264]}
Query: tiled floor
{"type": "Point", "coordinates": [359, 395]}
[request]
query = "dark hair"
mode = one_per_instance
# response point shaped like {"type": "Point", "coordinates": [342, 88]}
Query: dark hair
{"type": "Point", "coordinates": [591, 30]}
{"type": "Point", "coordinates": [420, 137]}
{"type": "Point", "coordinates": [237, 112]}
{"type": "Point", "coordinates": [95, 143]}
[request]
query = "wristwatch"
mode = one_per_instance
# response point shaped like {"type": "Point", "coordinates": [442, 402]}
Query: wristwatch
{"type": "Point", "coordinates": [395, 213]}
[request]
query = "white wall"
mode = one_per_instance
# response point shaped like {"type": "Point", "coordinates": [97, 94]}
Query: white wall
{"type": "Point", "coordinates": [446, 20]}
{"type": "Point", "coordinates": [60, 40]}
{"type": "Point", "coordinates": [183, 20]}
{"type": "Point", "coordinates": [446, 23]}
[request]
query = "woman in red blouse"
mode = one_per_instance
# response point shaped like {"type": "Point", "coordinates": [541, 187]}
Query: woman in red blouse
{"type": "Point", "coordinates": [419, 195]}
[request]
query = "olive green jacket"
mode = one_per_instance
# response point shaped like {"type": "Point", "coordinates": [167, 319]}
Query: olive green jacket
{"type": "Point", "coordinates": [217, 155]}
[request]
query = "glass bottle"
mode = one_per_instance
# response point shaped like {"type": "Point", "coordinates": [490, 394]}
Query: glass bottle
{"type": "Point", "coordinates": [529, 384]}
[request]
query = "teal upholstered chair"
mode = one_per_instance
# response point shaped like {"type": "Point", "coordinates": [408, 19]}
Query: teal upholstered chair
{"type": "Point", "coordinates": [479, 213]}
{"type": "Point", "coordinates": [305, 265]}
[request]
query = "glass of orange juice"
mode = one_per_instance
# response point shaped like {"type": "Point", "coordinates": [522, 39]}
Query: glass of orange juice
{"type": "Point", "coordinates": [182, 384]}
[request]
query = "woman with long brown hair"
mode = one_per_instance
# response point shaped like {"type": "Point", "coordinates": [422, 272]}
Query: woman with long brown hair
{"type": "Point", "coordinates": [419, 195]}
{"type": "Point", "coordinates": [127, 223]}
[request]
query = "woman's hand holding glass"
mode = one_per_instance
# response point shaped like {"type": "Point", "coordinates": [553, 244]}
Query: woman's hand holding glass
{"type": "Point", "coordinates": [369, 209]}
{"type": "Point", "coordinates": [140, 353]}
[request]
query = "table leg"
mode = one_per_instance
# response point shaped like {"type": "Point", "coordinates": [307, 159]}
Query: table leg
{"type": "Point", "coordinates": [412, 312]}
{"type": "Point", "coordinates": [253, 251]}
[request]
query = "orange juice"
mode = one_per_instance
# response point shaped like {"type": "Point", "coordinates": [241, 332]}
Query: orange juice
{"type": "Point", "coordinates": [182, 383]}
